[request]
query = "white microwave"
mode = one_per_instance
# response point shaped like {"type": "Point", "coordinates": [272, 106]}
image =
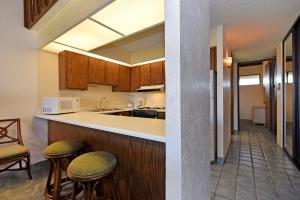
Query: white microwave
{"type": "Point", "coordinates": [59, 105]}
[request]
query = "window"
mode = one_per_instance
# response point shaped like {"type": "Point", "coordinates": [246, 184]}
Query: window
{"type": "Point", "coordinates": [250, 79]}
{"type": "Point", "coordinates": [289, 77]}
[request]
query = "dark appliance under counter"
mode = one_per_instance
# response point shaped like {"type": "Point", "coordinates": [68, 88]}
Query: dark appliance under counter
{"type": "Point", "coordinates": [144, 113]}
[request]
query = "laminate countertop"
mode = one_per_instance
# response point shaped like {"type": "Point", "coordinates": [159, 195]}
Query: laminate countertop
{"type": "Point", "coordinates": [150, 129]}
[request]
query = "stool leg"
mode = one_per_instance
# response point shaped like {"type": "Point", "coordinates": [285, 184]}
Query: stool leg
{"type": "Point", "coordinates": [57, 180]}
{"type": "Point", "coordinates": [89, 189]}
{"type": "Point", "coordinates": [113, 191]}
{"type": "Point", "coordinates": [74, 191]}
{"type": "Point", "coordinates": [48, 184]}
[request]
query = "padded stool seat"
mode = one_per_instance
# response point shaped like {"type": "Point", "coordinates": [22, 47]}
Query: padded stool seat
{"type": "Point", "coordinates": [12, 151]}
{"type": "Point", "coordinates": [63, 148]}
{"type": "Point", "coordinates": [60, 153]}
{"type": "Point", "coordinates": [92, 165]}
{"type": "Point", "coordinates": [89, 169]}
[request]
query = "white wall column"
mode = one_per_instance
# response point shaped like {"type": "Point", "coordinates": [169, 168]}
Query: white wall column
{"type": "Point", "coordinates": [279, 65]}
{"type": "Point", "coordinates": [187, 100]}
{"type": "Point", "coordinates": [235, 98]}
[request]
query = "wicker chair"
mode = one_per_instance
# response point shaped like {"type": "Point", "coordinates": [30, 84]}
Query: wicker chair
{"type": "Point", "coordinates": [12, 149]}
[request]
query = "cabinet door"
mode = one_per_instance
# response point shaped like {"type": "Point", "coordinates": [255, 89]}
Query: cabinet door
{"type": "Point", "coordinates": [73, 71]}
{"type": "Point", "coordinates": [124, 81]}
{"type": "Point", "coordinates": [112, 74]}
{"type": "Point", "coordinates": [145, 75]}
{"type": "Point", "coordinates": [135, 78]}
{"type": "Point", "coordinates": [157, 73]}
{"type": "Point", "coordinates": [97, 70]}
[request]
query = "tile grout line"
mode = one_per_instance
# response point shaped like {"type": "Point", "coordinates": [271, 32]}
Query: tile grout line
{"type": "Point", "coordinates": [249, 139]}
{"type": "Point", "coordinates": [285, 172]}
{"type": "Point", "coordinates": [238, 165]}
{"type": "Point", "coordinates": [269, 169]}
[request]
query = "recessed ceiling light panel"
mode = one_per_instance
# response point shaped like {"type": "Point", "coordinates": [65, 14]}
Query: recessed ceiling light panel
{"type": "Point", "coordinates": [87, 36]}
{"type": "Point", "coordinates": [130, 16]}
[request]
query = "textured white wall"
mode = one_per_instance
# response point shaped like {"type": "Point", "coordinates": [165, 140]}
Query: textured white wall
{"type": "Point", "coordinates": [187, 123]}
{"type": "Point", "coordinates": [18, 71]}
{"type": "Point", "coordinates": [279, 66]}
{"type": "Point", "coordinates": [220, 92]}
{"type": "Point", "coordinates": [223, 97]}
{"type": "Point", "coordinates": [235, 98]}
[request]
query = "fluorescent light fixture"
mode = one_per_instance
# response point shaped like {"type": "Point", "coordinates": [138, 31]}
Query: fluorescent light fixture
{"type": "Point", "coordinates": [130, 16]}
{"type": "Point", "coordinates": [56, 48]}
{"type": "Point", "coordinates": [88, 35]}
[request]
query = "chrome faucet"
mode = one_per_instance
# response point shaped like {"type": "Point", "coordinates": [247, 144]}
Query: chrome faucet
{"type": "Point", "coordinates": [101, 102]}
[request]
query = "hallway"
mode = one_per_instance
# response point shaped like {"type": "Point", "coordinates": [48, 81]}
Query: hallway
{"type": "Point", "coordinates": [255, 168]}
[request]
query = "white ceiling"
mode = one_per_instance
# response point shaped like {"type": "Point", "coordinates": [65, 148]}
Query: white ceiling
{"type": "Point", "coordinates": [119, 19]}
{"type": "Point", "coordinates": [253, 28]}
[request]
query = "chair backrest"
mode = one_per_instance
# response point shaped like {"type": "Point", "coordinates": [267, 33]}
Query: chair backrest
{"type": "Point", "coordinates": [5, 137]}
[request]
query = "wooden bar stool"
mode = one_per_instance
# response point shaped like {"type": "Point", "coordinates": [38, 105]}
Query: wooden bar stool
{"type": "Point", "coordinates": [88, 169]}
{"type": "Point", "coordinates": [59, 154]}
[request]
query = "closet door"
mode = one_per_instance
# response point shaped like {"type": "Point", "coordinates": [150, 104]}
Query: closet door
{"type": "Point", "coordinates": [291, 93]}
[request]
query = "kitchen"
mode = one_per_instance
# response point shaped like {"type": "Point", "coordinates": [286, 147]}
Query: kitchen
{"type": "Point", "coordinates": [104, 86]}
{"type": "Point", "coordinates": [109, 98]}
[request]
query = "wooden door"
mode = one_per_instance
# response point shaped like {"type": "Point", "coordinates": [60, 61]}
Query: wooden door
{"type": "Point", "coordinates": [112, 74]}
{"type": "Point", "coordinates": [124, 81]}
{"type": "Point", "coordinates": [97, 70]}
{"type": "Point", "coordinates": [145, 75]}
{"type": "Point", "coordinates": [73, 71]}
{"type": "Point", "coordinates": [213, 58]}
{"type": "Point", "coordinates": [135, 78]}
{"type": "Point", "coordinates": [157, 74]}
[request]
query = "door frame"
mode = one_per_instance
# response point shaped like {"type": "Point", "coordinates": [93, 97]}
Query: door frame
{"type": "Point", "coordinates": [249, 64]}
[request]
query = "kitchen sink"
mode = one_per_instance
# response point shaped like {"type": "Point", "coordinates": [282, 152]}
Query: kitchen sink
{"type": "Point", "coordinates": [104, 110]}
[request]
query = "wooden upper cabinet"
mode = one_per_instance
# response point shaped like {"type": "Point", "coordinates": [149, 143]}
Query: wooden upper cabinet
{"type": "Point", "coordinates": [73, 71]}
{"type": "Point", "coordinates": [157, 73]}
{"type": "Point", "coordinates": [97, 71]}
{"type": "Point", "coordinates": [135, 78]}
{"type": "Point", "coordinates": [124, 81]}
{"type": "Point", "coordinates": [112, 74]}
{"type": "Point", "coordinates": [213, 58]}
{"type": "Point", "coordinates": [145, 75]}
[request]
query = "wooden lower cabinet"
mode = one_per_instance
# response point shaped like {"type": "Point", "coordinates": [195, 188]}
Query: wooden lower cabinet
{"type": "Point", "coordinates": [161, 115]}
{"type": "Point", "coordinates": [140, 174]}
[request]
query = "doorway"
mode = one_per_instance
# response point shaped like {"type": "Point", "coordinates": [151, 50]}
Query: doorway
{"type": "Point", "coordinates": [257, 94]}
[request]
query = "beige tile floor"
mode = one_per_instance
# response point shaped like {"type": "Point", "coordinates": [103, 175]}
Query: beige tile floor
{"type": "Point", "coordinates": [256, 168]}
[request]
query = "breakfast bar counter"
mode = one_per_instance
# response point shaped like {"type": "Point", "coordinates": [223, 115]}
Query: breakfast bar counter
{"type": "Point", "coordinates": [138, 144]}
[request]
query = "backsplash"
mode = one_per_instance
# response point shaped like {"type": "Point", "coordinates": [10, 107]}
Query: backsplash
{"type": "Point", "coordinates": [151, 99]}
{"type": "Point", "coordinates": [90, 98]}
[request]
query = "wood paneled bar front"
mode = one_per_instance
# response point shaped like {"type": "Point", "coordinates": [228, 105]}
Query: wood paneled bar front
{"type": "Point", "coordinates": [140, 174]}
